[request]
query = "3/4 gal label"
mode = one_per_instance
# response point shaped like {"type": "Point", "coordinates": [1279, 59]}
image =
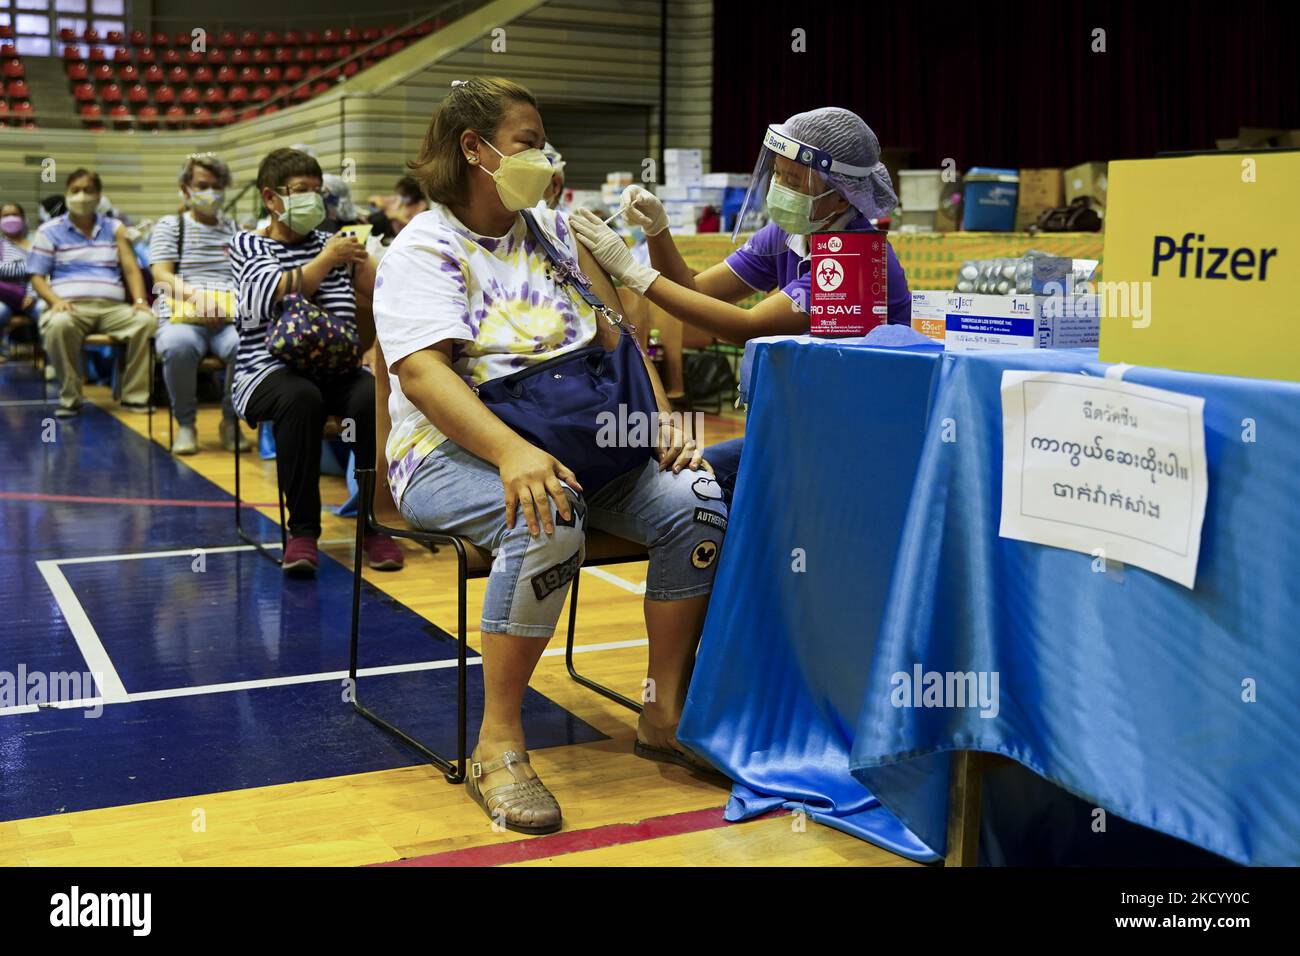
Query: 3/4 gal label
{"type": "Point", "coordinates": [849, 292]}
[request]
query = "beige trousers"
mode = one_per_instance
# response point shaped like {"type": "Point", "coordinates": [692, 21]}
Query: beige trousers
{"type": "Point", "coordinates": [64, 333]}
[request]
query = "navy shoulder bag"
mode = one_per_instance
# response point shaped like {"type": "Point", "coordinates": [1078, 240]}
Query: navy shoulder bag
{"type": "Point", "coordinates": [593, 410]}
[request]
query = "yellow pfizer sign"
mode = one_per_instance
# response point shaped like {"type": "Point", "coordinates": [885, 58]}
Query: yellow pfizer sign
{"type": "Point", "coordinates": [1201, 262]}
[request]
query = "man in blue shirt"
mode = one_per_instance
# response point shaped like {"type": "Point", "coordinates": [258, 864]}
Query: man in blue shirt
{"type": "Point", "coordinates": [83, 266]}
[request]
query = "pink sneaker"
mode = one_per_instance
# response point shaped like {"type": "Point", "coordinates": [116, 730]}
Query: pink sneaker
{"type": "Point", "coordinates": [300, 559]}
{"type": "Point", "coordinates": [382, 553]}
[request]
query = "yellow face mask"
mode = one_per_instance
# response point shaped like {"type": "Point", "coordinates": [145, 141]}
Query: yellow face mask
{"type": "Point", "coordinates": [521, 178]}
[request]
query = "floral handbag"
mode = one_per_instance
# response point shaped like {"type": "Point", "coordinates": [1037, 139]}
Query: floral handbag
{"type": "Point", "coordinates": [307, 338]}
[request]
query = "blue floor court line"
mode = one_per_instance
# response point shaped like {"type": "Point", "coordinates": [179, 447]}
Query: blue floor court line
{"type": "Point", "coordinates": [166, 626]}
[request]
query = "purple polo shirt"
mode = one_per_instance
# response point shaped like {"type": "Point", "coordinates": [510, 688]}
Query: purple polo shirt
{"type": "Point", "coordinates": [766, 262]}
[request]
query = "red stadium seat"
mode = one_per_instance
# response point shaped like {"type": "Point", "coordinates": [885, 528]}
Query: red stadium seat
{"type": "Point", "coordinates": [424, 28]}
{"type": "Point", "coordinates": [249, 39]}
{"type": "Point", "coordinates": [96, 55]}
{"type": "Point", "coordinates": [90, 114]}
{"type": "Point", "coordinates": [216, 57]}
{"type": "Point", "coordinates": [172, 57]}
{"type": "Point", "coordinates": [139, 38]}
{"type": "Point", "coordinates": [90, 35]}
{"type": "Point", "coordinates": [351, 69]}
{"type": "Point", "coordinates": [238, 94]}
{"type": "Point", "coordinates": [293, 74]}
{"type": "Point", "coordinates": [345, 50]}
{"type": "Point", "coordinates": [350, 35]}
{"type": "Point", "coordinates": [83, 93]}
{"type": "Point", "coordinates": [389, 30]}
{"type": "Point", "coordinates": [175, 115]}
{"type": "Point", "coordinates": [262, 56]}
{"type": "Point", "coordinates": [304, 55]}
{"type": "Point", "coordinates": [164, 96]}
{"type": "Point", "coordinates": [313, 72]}
{"type": "Point", "coordinates": [292, 38]}
{"type": "Point", "coordinates": [225, 116]}
{"type": "Point", "coordinates": [182, 40]}
{"type": "Point", "coordinates": [68, 35]}
{"type": "Point", "coordinates": [103, 73]}
{"type": "Point", "coordinates": [270, 38]}
{"type": "Point", "coordinates": [282, 89]}
{"type": "Point", "coordinates": [248, 74]}
{"type": "Point", "coordinates": [370, 34]}
{"type": "Point", "coordinates": [110, 93]}
{"type": "Point", "coordinates": [193, 58]}
{"type": "Point", "coordinates": [203, 75]}
{"type": "Point", "coordinates": [226, 75]}
{"type": "Point", "coordinates": [148, 116]}
{"type": "Point", "coordinates": [319, 87]}
{"type": "Point", "coordinates": [271, 74]}
{"type": "Point", "coordinates": [17, 90]}
{"type": "Point", "coordinates": [13, 69]}
{"type": "Point", "coordinates": [178, 74]}
{"type": "Point", "coordinates": [261, 94]}
{"type": "Point", "coordinates": [248, 114]}
{"type": "Point", "coordinates": [240, 57]}
{"type": "Point", "coordinates": [331, 36]}
{"type": "Point", "coordinates": [310, 38]}
{"type": "Point", "coordinates": [7, 50]}
{"type": "Point", "coordinates": [121, 116]}
{"type": "Point", "coordinates": [137, 94]}
{"type": "Point", "coordinates": [202, 116]}
{"type": "Point", "coordinates": [214, 96]}
{"type": "Point", "coordinates": [114, 36]}
{"type": "Point", "coordinates": [379, 52]}
{"type": "Point", "coordinates": [367, 62]}
{"type": "Point", "coordinates": [395, 45]}
{"type": "Point", "coordinates": [301, 93]}
{"type": "Point", "coordinates": [128, 73]}
{"type": "Point", "coordinates": [283, 54]}
{"type": "Point", "coordinates": [159, 39]}
{"type": "Point", "coordinates": [154, 74]}
{"type": "Point", "coordinates": [78, 71]}
{"type": "Point", "coordinates": [228, 39]}
{"type": "Point", "coordinates": [325, 54]}
{"type": "Point", "coordinates": [189, 96]}
{"type": "Point", "coordinates": [145, 55]}
{"type": "Point", "coordinates": [332, 73]}
{"type": "Point", "coordinates": [72, 53]}
{"type": "Point", "coordinates": [272, 108]}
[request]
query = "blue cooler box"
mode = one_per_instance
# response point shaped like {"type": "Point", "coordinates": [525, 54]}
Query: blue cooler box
{"type": "Point", "coordinates": [990, 199]}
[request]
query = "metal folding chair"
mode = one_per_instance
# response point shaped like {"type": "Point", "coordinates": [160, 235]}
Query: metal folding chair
{"type": "Point", "coordinates": [377, 514]}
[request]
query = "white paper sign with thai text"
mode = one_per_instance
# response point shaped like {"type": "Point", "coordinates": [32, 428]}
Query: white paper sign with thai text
{"type": "Point", "coordinates": [1105, 467]}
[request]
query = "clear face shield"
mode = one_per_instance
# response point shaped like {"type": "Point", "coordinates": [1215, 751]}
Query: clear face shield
{"type": "Point", "coordinates": [789, 186]}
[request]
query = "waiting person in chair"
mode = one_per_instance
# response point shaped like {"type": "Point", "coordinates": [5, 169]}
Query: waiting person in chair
{"type": "Point", "coordinates": [16, 294]}
{"type": "Point", "coordinates": [83, 266]}
{"type": "Point", "coordinates": [466, 295]}
{"type": "Point", "coordinates": [292, 256]}
{"type": "Point", "coordinates": [190, 260]}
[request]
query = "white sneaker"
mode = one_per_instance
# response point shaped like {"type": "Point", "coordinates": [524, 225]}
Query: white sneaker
{"type": "Point", "coordinates": [187, 441]}
{"type": "Point", "coordinates": [229, 431]}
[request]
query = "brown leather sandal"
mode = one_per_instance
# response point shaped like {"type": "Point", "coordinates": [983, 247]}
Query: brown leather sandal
{"type": "Point", "coordinates": [525, 806]}
{"type": "Point", "coordinates": [677, 754]}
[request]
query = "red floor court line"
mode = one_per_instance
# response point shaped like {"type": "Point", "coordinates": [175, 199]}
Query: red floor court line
{"type": "Point", "coordinates": [576, 841]}
{"type": "Point", "coordinates": [148, 502]}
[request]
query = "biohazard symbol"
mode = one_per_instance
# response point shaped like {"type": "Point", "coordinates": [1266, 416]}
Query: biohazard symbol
{"type": "Point", "coordinates": [829, 275]}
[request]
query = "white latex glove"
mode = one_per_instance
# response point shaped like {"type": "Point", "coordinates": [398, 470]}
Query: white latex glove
{"type": "Point", "coordinates": [609, 249]}
{"type": "Point", "coordinates": [643, 208]}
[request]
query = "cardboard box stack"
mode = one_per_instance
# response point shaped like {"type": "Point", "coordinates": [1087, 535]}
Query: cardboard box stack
{"type": "Point", "coordinates": [1087, 179]}
{"type": "Point", "coordinates": [683, 173]}
{"type": "Point", "coordinates": [1040, 190]}
{"type": "Point", "coordinates": [919, 192]}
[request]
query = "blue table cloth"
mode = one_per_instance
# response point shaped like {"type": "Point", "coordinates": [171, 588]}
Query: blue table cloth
{"type": "Point", "coordinates": [1173, 708]}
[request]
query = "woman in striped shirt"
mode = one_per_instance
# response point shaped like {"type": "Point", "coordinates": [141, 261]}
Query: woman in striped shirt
{"type": "Point", "coordinates": [190, 256]}
{"type": "Point", "coordinates": [266, 389]}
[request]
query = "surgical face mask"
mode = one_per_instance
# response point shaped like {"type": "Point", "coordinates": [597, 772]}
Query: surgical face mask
{"type": "Point", "coordinates": [13, 225]}
{"type": "Point", "coordinates": [522, 178]}
{"type": "Point", "coordinates": [303, 212]}
{"type": "Point", "coordinates": [206, 201]}
{"type": "Point", "coordinates": [81, 204]}
{"type": "Point", "coordinates": [791, 210]}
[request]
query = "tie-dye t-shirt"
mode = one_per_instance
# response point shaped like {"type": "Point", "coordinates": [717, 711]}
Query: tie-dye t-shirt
{"type": "Point", "coordinates": [490, 297]}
